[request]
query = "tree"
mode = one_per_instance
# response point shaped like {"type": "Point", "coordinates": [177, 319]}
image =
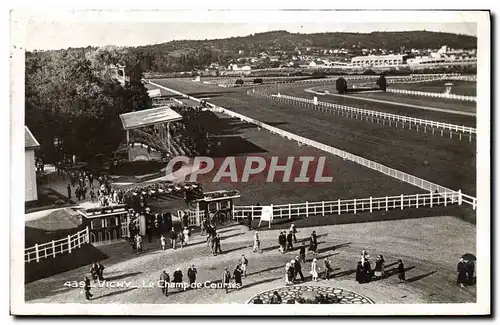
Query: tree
{"type": "Point", "coordinates": [382, 82]}
{"type": "Point", "coordinates": [239, 82]}
{"type": "Point", "coordinates": [258, 81]}
{"type": "Point", "coordinates": [341, 86]}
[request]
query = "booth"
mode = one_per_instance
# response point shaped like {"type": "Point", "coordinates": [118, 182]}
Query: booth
{"type": "Point", "coordinates": [216, 207]}
{"type": "Point", "coordinates": [107, 224]}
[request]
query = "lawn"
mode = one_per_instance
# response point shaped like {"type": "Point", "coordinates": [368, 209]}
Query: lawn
{"type": "Point", "coordinates": [459, 87]}
{"type": "Point", "coordinates": [447, 162]}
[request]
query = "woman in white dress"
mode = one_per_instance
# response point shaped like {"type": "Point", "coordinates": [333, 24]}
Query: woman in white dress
{"type": "Point", "coordinates": [314, 269]}
{"type": "Point", "coordinates": [256, 243]}
{"type": "Point", "coordinates": [163, 242]}
{"type": "Point", "coordinates": [186, 235]}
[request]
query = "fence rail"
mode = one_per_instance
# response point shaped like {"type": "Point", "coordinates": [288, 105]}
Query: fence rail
{"type": "Point", "coordinates": [430, 94]}
{"type": "Point", "coordinates": [56, 247]}
{"type": "Point", "coordinates": [375, 114]}
{"type": "Point", "coordinates": [407, 178]}
{"type": "Point", "coordinates": [306, 209]}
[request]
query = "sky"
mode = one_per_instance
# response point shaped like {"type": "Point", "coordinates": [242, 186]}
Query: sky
{"type": "Point", "coordinates": [64, 34]}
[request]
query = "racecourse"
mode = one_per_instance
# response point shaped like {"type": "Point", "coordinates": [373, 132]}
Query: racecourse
{"type": "Point", "coordinates": [439, 159]}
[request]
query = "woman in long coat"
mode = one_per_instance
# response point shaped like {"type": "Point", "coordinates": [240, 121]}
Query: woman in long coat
{"type": "Point", "coordinates": [359, 272]}
{"type": "Point", "coordinates": [314, 269]}
{"type": "Point", "coordinates": [313, 243]}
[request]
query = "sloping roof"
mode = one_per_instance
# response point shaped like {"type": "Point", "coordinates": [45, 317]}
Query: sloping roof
{"type": "Point", "coordinates": [149, 117]}
{"type": "Point", "coordinates": [29, 140]}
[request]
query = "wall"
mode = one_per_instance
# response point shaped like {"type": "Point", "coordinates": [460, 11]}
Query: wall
{"type": "Point", "coordinates": [30, 176]}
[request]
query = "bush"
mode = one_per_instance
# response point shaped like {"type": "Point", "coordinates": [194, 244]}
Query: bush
{"type": "Point", "coordinates": [382, 82]}
{"type": "Point", "coordinates": [341, 86]}
{"type": "Point", "coordinates": [239, 82]}
{"type": "Point", "coordinates": [258, 81]}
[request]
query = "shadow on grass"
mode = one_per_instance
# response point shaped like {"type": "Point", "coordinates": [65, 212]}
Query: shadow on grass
{"type": "Point", "coordinates": [419, 277]}
{"type": "Point", "coordinates": [114, 293]}
{"type": "Point", "coordinates": [121, 276]}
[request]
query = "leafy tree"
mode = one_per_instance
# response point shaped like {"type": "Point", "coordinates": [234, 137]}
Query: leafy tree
{"type": "Point", "coordinates": [239, 82]}
{"type": "Point", "coordinates": [382, 82]}
{"type": "Point", "coordinates": [258, 81]}
{"type": "Point", "coordinates": [341, 86]}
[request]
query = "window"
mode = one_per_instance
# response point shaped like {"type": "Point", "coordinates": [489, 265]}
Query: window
{"type": "Point", "coordinates": [96, 224]}
{"type": "Point", "coordinates": [224, 204]}
{"type": "Point", "coordinates": [111, 222]}
{"type": "Point", "coordinates": [212, 206]}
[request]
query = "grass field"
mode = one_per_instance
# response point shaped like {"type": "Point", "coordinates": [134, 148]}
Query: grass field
{"type": "Point", "coordinates": [396, 108]}
{"type": "Point", "coordinates": [459, 87]}
{"type": "Point", "coordinates": [430, 262]}
{"type": "Point", "coordinates": [447, 162]}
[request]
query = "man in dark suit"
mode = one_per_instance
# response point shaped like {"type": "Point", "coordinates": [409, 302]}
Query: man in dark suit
{"type": "Point", "coordinates": [164, 281]}
{"type": "Point", "coordinates": [289, 239]}
{"type": "Point", "coordinates": [178, 278]}
{"type": "Point", "coordinates": [469, 270]}
{"type": "Point", "coordinates": [88, 295]}
{"type": "Point", "coordinates": [192, 274]}
{"type": "Point", "coordinates": [237, 277]}
{"type": "Point", "coordinates": [226, 277]}
{"type": "Point", "coordinates": [298, 268]}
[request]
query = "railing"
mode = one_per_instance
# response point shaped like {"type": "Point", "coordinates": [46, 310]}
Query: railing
{"type": "Point", "coordinates": [374, 114]}
{"type": "Point", "coordinates": [57, 247]}
{"type": "Point", "coordinates": [338, 207]}
{"type": "Point", "coordinates": [402, 176]}
{"type": "Point", "coordinates": [430, 94]}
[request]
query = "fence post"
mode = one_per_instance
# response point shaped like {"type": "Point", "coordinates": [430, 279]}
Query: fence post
{"type": "Point", "coordinates": [417, 200]}
{"type": "Point", "coordinates": [371, 209]}
{"type": "Point", "coordinates": [354, 205]}
{"type": "Point", "coordinates": [271, 216]}
{"type": "Point", "coordinates": [431, 199]}
{"type": "Point", "coordinates": [339, 207]}
{"type": "Point", "coordinates": [323, 208]}
{"type": "Point", "coordinates": [69, 244]}
{"type": "Point", "coordinates": [459, 197]}
{"type": "Point", "coordinates": [445, 201]}
{"type": "Point", "coordinates": [307, 209]}
{"type": "Point", "coordinates": [79, 240]}
{"type": "Point", "coordinates": [402, 201]}
{"type": "Point", "coordinates": [289, 210]}
{"type": "Point", "coordinates": [37, 253]}
{"type": "Point", "coordinates": [53, 249]}
{"type": "Point", "coordinates": [252, 211]}
{"type": "Point", "coordinates": [87, 235]}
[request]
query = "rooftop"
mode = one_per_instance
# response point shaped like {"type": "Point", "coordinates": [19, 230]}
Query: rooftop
{"type": "Point", "coordinates": [29, 140]}
{"type": "Point", "coordinates": [150, 116]}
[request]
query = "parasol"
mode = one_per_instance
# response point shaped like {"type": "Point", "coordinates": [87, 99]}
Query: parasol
{"type": "Point", "coordinates": [469, 257]}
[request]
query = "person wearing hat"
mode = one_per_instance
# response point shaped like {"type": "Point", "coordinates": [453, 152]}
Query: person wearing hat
{"type": "Point", "coordinates": [164, 280]}
{"type": "Point", "coordinates": [289, 239]}
{"type": "Point", "coordinates": [469, 269]}
{"type": "Point", "coordinates": [186, 233]}
{"type": "Point", "coordinates": [314, 269]}
{"type": "Point", "coordinates": [177, 277]}
{"type": "Point", "coordinates": [287, 279]}
{"type": "Point", "coordinates": [86, 287]}
{"type": "Point", "coordinates": [192, 274]}
{"type": "Point", "coordinates": [298, 269]}
{"type": "Point", "coordinates": [256, 243]}
{"type": "Point", "coordinates": [302, 252]}
{"type": "Point", "coordinates": [328, 267]}
{"type": "Point", "coordinates": [462, 274]}
{"type": "Point", "coordinates": [226, 277]}
{"type": "Point", "coordinates": [237, 276]}
{"type": "Point", "coordinates": [294, 231]}
{"type": "Point", "coordinates": [244, 264]}
{"type": "Point", "coordinates": [291, 271]}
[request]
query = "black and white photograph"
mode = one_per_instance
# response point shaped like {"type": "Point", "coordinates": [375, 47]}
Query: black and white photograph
{"type": "Point", "coordinates": [205, 162]}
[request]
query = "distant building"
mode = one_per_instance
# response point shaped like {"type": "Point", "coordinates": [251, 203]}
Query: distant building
{"type": "Point", "coordinates": [377, 60]}
{"type": "Point", "coordinates": [236, 67]}
{"type": "Point", "coordinates": [30, 145]}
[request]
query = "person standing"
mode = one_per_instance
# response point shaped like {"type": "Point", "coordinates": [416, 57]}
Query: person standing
{"type": "Point", "coordinates": [294, 231]}
{"type": "Point", "coordinates": [289, 239]}
{"type": "Point", "coordinates": [100, 271]}
{"type": "Point", "coordinates": [298, 269]}
{"type": "Point", "coordinates": [383, 264]}
{"type": "Point", "coordinates": [378, 268]}
{"type": "Point", "coordinates": [256, 243]}
{"type": "Point", "coordinates": [138, 240]}
{"type": "Point", "coordinates": [469, 269]}
{"type": "Point", "coordinates": [86, 287]}
{"type": "Point", "coordinates": [178, 279]}
{"type": "Point", "coordinates": [281, 243]}
{"type": "Point", "coordinates": [302, 252]}
{"type": "Point", "coordinates": [401, 271]}
{"type": "Point", "coordinates": [163, 242]}
{"type": "Point", "coordinates": [226, 277]}
{"type": "Point", "coordinates": [328, 267]}
{"type": "Point", "coordinates": [249, 221]}
{"type": "Point", "coordinates": [462, 274]}
{"type": "Point", "coordinates": [173, 237]}
{"type": "Point", "coordinates": [291, 272]}
{"type": "Point", "coordinates": [287, 278]}
{"type": "Point", "coordinates": [164, 281]}
{"type": "Point", "coordinates": [314, 269]}
{"type": "Point", "coordinates": [68, 188]}
{"type": "Point", "coordinates": [186, 235]}
{"type": "Point", "coordinates": [217, 250]}
{"type": "Point", "coordinates": [258, 300]}
{"type": "Point", "coordinates": [237, 277]}
{"type": "Point", "coordinates": [313, 243]}
{"type": "Point", "coordinates": [244, 264]}
{"type": "Point", "coordinates": [94, 271]}
{"type": "Point", "coordinates": [359, 272]}
{"type": "Point", "coordinates": [192, 274]}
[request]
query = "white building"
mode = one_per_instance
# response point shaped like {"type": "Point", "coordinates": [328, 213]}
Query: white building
{"type": "Point", "coordinates": [30, 145]}
{"type": "Point", "coordinates": [377, 60]}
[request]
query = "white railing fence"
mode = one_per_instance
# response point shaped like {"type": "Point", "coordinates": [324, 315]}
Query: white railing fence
{"type": "Point", "coordinates": [57, 247]}
{"type": "Point", "coordinates": [402, 176]}
{"type": "Point", "coordinates": [306, 209]}
{"type": "Point", "coordinates": [392, 118]}
{"type": "Point", "coordinates": [430, 94]}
